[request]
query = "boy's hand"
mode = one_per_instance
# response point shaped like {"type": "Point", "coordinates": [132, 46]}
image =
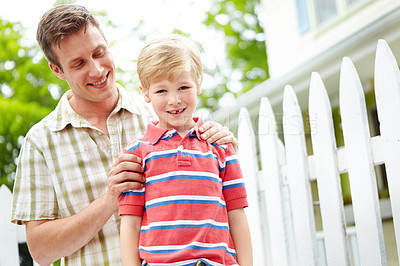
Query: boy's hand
{"type": "Point", "coordinates": [213, 132]}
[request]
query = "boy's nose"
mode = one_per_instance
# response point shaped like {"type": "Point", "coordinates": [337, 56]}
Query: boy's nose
{"type": "Point", "coordinates": [174, 99]}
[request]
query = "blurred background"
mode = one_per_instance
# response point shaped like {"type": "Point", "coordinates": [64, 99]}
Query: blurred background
{"type": "Point", "coordinates": [226, 31]}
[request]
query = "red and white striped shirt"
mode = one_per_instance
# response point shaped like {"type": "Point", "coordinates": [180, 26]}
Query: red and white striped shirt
{"type": "Point", "coordinates": [190, 187]}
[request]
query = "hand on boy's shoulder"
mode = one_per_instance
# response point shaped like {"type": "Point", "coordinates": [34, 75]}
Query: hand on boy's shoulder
{"type": "Point", "coordinates": [213, 132]}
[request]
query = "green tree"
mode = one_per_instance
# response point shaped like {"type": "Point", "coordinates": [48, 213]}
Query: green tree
{"type": "Point", "coordinates": [28, 92]}
{"type": "Point", "coordinates": [245, 46]}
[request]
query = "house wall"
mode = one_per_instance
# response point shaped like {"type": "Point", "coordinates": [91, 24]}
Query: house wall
{"type": "Point", "coordinates": [288, 49]}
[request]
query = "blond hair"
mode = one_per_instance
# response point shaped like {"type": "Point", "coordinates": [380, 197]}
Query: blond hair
{"type": "Point", "coordinates": [169, 55]}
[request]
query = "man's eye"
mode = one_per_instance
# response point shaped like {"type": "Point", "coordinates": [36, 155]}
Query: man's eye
{"type": "Point", "coordinates": [78, 64]}
{"type": "Point", "coordinates": [99, 53]}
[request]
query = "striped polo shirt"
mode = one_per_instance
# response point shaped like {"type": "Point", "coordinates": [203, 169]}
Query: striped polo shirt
{"type": "Point", "coordinates": [190, 187]}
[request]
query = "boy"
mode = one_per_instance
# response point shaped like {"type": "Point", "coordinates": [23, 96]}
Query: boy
{"type": "Point", "coordinates": [192, 210]}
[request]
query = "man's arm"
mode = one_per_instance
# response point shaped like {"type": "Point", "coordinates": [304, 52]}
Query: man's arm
{"type": "Point", "coordinates": [213, 132]}
{"type": "Point", "coordinates": [129, 237]}
{"type": "Point", "coordinates": [50, 240]}
{"type": "Point", "coordinates": [240, 233]}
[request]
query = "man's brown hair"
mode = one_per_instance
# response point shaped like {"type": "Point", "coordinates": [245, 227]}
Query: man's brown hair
{"type": "Point", "coordinates": [59, 22]}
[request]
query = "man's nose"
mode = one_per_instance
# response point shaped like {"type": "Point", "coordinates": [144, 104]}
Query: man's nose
{"type": "Point", "coordinates": [96, 69]}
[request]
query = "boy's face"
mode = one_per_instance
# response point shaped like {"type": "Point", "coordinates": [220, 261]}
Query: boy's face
{"type": "Point", "coordinates": [175, 101]}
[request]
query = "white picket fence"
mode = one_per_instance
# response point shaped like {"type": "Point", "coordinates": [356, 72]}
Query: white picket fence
{"type": "Point", "coordinates": [10, 235]}
{"type": "Point", "coordinates": [281, 212]}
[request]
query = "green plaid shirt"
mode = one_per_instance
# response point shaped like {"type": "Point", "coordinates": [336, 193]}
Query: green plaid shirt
{"type": "Point", "coordinates": [63, 167]}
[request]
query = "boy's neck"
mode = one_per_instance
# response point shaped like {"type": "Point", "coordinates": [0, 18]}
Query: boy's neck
{"type": "Point", "coordinates": [181, 129]}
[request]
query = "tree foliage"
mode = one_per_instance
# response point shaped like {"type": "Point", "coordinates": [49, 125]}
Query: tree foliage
{"type": "Point", "coordinates": [28, 92]}
{"type": "Point", "coordinates": [245, 46]}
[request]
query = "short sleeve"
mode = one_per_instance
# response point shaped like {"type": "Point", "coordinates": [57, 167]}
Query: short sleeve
{"type": "Point", "coordinates": [131, 202]}
{"type": "Point", "coordinates": [232, 181]}
{"type": "Point", "coordinates": [34, 197]}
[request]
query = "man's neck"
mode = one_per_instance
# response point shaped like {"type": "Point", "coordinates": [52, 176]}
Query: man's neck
{"type": "Point", "coordinates": [96, 113]}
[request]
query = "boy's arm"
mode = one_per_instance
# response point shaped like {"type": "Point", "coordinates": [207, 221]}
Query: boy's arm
{"type": "Point", "coordinates": [129, 239]}
{"type": "Point", "coordinates": [240, 233]}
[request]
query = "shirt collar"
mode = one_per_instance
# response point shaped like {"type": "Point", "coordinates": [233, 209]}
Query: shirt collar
{"type": "Point", "coordinates": [128, 101]}
{"type": "Point", "coordinates": [153, 133]}
{"type": "Point", "coordinates": [64, 115]}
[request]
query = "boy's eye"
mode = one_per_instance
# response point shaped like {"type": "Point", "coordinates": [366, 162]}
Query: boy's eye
{"type": "Point", "coordinates": [160, 91]}
{"type": "Point", "coordinates": [184, 88]}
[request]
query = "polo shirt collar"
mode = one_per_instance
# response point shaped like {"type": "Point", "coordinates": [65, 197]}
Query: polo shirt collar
{"type": "Point", "coordinates": [153, 133]}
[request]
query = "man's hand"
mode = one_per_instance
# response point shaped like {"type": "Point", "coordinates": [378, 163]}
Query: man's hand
{"type": "Point", "coordinates": [213, 132]}
{"type": "Point", "coordinates": [49, 240]}
{"type": "Point", "coordinates": [126, 173]}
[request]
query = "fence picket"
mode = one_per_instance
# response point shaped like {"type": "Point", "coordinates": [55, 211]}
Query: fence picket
{"type": "Point", "coordinates": [361, 170]}
{"type": "Point", "coordinates": [273, 195]}
{"type": "Point", "coordinates": [8, 231]}
{"type": "Point", "coordinates": [387, 91]}
{"type": "Point", "coordinates": [299, 181]}
{"type": "Point", "coordinates": [247, 155]}
{"type": "Point", "coordinates": [329, 190]}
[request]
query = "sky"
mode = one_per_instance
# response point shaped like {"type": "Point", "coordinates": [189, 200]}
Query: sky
{"type": "Point", "coordinates": [159, 16]}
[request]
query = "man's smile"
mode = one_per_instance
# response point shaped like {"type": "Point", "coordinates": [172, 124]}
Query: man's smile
{"type": "Point", "coordinates": [100, 82]}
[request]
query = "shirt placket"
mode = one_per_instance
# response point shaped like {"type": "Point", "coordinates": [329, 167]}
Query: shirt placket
{"type": "Point", "coordinates": [114, 130]}
{"type": "Point", "coordinates": [182, 158]}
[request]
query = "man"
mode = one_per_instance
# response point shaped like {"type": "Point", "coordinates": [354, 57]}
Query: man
{"type": "Point", "coordinates": [71, 171]}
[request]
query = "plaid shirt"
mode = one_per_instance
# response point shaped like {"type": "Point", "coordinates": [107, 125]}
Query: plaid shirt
{"type": "Point", "coordinates": [63, 167]}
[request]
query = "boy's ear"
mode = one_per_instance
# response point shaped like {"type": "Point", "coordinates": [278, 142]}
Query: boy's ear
{"type": "Point", "coordinates": [145, 94]}
{"type": "Point", "coordinates": [147, 99]}
{"type": "Point", "coordinates": [56, 70]}
{"type": "Point", "coordinates": [198, 91]}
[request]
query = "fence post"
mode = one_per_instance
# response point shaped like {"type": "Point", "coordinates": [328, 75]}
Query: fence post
{"type": "Point", "coordinates": [247, 155]}
{"type": "Point", "coordinates": [277, 222]}
{"type": "Point", "coordinates": [8, 232]}
{"type": "Point", "coordinates": [328, 179]}
{"type": "Point", "coordinates": [387, 91]}
{"type": "Point", "coordinates": [364, 192]}
{"type": "Point", "coordinates": [299, 181]}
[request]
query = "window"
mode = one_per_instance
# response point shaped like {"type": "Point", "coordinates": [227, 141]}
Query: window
{"type": "Point", "coordinates": [303, 18]}
{"type": "Point", "coordinates": [325, 10]}
{"type": "Point", "coordinates": [351, 3]}
{"type": "Point", "coordinates": [312, 14]}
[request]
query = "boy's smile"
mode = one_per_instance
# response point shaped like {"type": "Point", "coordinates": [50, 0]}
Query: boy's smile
{"type": "Point", "coordinates": [174, 101]}
{"type": "Point", "coordinates": [176, 112]}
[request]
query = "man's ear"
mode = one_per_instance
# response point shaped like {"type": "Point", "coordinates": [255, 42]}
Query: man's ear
{"type": "Point", "coordinates": [56, 70]}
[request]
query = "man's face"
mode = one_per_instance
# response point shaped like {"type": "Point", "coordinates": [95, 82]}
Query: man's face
{"type": "Point", "coordinates": [87, 66]}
